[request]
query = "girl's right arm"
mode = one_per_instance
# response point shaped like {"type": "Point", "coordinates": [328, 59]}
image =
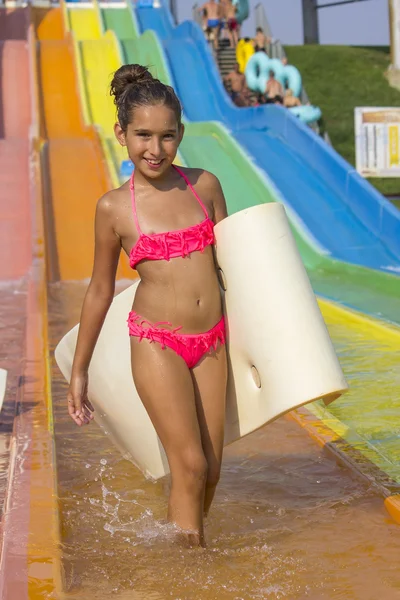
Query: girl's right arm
{"type": "Point", "coordinates": [97, 301]}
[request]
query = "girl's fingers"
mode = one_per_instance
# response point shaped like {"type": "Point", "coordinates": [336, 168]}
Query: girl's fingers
{"type": "Point", "coordinates": [88, 415]}
{"type": "Point", "coordinates": [77, 420]}
{"type": "Point", "coordinates": [71, 406]}
{"type": "Point", "coordinates": [89, 404]}
{"type": "Point", "coordinates": [80, 409]}
{"type": "Point", "coordinates": [75, 409]}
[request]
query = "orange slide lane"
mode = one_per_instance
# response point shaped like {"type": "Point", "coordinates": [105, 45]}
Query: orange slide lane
{"type": "Point", "coordinates": [28, 551]}
{"type": "Point", "coordinates": [15, 118]}
{"type": "Point", "coordinates": [75, 173]}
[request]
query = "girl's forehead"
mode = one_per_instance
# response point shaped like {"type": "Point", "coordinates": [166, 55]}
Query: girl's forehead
{"type": "Point", "coordinates": [154, 116]}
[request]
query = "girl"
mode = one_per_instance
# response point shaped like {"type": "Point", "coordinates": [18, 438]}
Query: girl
{"type": "Point", "coordinates": [163, 218]}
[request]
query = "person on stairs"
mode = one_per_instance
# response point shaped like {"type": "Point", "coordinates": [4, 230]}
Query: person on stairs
{"type": "Point", "coordinates": [229, 13]}
{"type": "Point", "coordinates": [213, 11]}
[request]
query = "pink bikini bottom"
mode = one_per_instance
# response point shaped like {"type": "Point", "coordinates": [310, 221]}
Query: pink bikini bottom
{"type": "Point", "coordinates": [191, 347]}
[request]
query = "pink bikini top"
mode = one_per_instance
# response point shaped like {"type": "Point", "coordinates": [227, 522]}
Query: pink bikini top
{"type": "Point", "coordinates": [170, 244]}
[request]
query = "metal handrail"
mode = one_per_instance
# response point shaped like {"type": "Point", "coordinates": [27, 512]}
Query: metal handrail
{"type": "Point", "coordinates": [196, 15]}
{"type": "Point", "coordinates": [276, 50]}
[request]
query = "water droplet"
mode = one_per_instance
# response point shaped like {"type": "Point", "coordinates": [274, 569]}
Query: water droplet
{"type": "Point", "coordinates": [103, 461]}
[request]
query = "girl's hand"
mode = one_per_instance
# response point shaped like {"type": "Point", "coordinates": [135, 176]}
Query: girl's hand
{"type": "Point", "coordinates": [79, 406]}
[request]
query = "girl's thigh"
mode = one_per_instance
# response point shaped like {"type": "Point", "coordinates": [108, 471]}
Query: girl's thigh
{"type": "Point", "coordinates": [165, 387]}
{"type": "Point", "coordinates": [210, 383]}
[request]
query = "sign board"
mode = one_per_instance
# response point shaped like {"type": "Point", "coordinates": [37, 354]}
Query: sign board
{"type": "Point", "coordinates": [377, 133]}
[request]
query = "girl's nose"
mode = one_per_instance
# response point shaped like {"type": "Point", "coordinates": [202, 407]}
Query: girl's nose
{"type": "Point", "coordinates": [155, 146]}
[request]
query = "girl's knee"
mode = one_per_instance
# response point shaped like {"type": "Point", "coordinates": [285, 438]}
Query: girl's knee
{"type": "Point", "coordinates": [193, 468]}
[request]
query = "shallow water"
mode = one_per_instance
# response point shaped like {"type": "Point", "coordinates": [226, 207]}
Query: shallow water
{"type": "Point", "coordinates": [13, 298]}
{"type": "Point", "coordinates": [287, 521]}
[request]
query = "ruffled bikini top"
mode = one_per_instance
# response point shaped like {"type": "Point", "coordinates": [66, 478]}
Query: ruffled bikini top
{"type": "Point", "coordinates": [171, 244]}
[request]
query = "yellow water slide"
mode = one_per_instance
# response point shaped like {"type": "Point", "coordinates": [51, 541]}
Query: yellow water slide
{"type": "Point", "coordinates": [98, 56]}
{"type": "Point", "coordinates": [75, 173]}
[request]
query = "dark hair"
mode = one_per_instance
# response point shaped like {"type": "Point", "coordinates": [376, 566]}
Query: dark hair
{"type": "Point", "coordinates": [260, 30]}
{"type": "Point", "coordinates": [133, 86]}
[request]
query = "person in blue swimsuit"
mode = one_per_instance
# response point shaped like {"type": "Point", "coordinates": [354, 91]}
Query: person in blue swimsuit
{"type": "Point", "coordinates": [213, 10]}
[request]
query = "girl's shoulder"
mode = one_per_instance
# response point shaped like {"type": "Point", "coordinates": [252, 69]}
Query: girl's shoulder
{"type": "Point", "coordinates": [113, 198]}
{"type": "Point", "coordinates": [201, 179]}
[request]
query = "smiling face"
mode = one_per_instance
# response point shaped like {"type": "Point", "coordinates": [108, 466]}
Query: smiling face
{"type": "Point", "coordinates": [152, 139]}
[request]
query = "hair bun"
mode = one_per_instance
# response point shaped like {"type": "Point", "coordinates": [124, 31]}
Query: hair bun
{"type": "Point", "coordinates": [126, 76]}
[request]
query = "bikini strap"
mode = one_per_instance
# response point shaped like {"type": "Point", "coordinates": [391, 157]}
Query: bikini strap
{"type": "Point", "coordinates": [182, 174]}
{"type": "Point", "coordinates": [132, 188]}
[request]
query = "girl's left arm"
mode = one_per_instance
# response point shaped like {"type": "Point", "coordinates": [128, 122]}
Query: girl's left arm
{"type": "Point", "coordinates": [219, 204]}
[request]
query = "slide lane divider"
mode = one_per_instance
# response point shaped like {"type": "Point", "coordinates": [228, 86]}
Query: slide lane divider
{"type": "Point", "coordinates": [340, 440]}
{"type": "Point", "coordinates": [30, 562]}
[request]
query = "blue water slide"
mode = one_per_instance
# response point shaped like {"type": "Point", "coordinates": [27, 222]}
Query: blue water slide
{"type": "Point", "coordinates": [158, 19]}
{"type": "Point", "coordinates": [345, 215]}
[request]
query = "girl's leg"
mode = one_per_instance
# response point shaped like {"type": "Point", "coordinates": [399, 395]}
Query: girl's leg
{"type": "Point", "coordinates": [210, 379]}
{"type": "Point", "coordinates": [165, 386]}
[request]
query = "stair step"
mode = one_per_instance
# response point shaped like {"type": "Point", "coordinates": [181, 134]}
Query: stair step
{"type": "Point", "coordinates": [227, 60]}
{"type": "Point", "coordinates": [228, 54]}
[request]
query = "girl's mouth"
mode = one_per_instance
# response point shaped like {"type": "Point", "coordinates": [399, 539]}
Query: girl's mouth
{"type": "Point", "coordinates": [154, 164]}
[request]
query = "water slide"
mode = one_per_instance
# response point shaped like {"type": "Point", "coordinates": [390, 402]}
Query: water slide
{"type": "Point", "coordinates": [210, 144]}
{"type": "Point", "coordinates": [317, 186]}
{"type": "Point", "coordinates": [74, 169]}
{"type": "Point", "coordinates": [98, 56]}
{"type": "Point", "coordinates": [31, 551]}
{"type": "Point", "coordinates": [15, 120]}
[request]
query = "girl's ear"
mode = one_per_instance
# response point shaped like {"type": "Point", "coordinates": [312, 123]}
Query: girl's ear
{"type": "Point", "coordinates": [119, 134]}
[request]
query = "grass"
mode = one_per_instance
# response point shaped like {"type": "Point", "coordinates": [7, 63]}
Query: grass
{"type": "Point", "coordinates": [339, 78]}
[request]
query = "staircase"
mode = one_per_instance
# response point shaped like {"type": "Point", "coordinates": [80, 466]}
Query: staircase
{"type": "Point", "coordinates": [226, 60]}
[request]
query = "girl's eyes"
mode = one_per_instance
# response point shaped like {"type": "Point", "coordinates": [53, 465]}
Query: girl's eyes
{"type": "Point", "coordinates": [168, 136]}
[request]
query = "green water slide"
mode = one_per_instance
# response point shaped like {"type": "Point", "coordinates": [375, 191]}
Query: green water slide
{"type": "Point", "coordinates": [122, 21]}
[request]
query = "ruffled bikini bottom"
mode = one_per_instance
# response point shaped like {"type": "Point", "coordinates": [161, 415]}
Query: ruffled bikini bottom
{"type": "Point", "coordinates": [191, 347]}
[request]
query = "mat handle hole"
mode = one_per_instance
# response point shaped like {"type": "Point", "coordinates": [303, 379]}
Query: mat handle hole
{"type": "Point", "coordinates": [256, 376]}
{"type": "Point", "coordinates": [222, 279]}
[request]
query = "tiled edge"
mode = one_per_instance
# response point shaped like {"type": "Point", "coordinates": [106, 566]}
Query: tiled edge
{"type": "Point", "coordinates": [319, 428]}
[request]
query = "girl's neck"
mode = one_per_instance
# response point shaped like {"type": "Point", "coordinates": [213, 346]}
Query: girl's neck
{"type": "Point", "coordinates": [166, 182]}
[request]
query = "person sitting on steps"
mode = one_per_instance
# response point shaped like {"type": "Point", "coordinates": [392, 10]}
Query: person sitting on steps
{"type": "Point", "coordinates": [240, 92]}
{"type": "Point", "coordinates": [273, 90]}
{"type": "Point", "coordinates": [290, 99]}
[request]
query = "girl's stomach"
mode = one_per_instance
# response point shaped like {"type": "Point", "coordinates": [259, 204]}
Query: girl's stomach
{"type": "Point", "coordinates": [183, 291]}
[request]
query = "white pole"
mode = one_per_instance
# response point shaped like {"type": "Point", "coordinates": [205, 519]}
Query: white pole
{"type": "Point", "coordinates": [394, 13]}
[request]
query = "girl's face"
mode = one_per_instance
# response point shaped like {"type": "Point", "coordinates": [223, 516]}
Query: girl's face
{"type": "Point", "coordinates": [152, 139]}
